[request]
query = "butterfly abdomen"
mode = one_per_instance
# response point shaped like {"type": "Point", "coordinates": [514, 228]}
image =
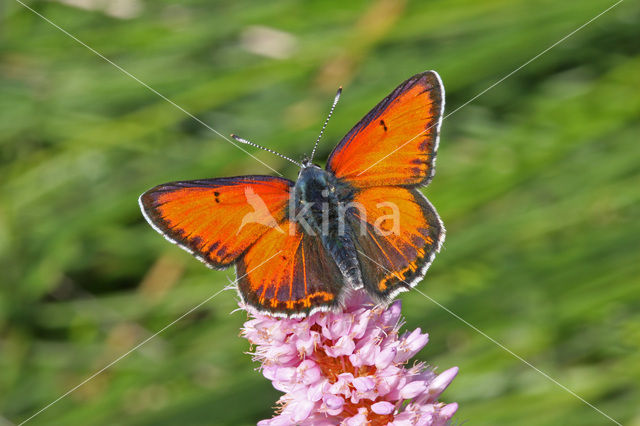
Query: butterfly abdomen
{"type": "Point", "coordinates": [342, 249]}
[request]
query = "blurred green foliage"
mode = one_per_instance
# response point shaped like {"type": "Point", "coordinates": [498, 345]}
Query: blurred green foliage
{"type": "Point", "coordinates": [538, 184]}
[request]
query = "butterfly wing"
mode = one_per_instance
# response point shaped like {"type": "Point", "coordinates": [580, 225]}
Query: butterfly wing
{"type": "Point", "coordinates": [396, 142]}
{"type": "Point", "coordinates": [397, 234]}
{"type": "Point", "coordinates": [217, 219]}
{"type": "Point", "coordinates": [289, 274]}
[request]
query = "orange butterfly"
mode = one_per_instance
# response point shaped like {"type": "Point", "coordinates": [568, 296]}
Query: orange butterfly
{"type": "Point", "coordinates": [301, 247]}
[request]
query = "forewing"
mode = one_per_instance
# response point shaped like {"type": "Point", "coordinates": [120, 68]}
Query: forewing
{"type": "Point", "coordinates": [397, 233]}
{"type": "Point", "coordinates": [396, 142]}
{"type": "Point", "coordinates": [289, 274]}
{"type": "Point", "coordinates": [217, 219]}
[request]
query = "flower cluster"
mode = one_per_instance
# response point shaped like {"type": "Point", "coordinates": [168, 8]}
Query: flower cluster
{"type": "Point", "coordinates": [348, 368]}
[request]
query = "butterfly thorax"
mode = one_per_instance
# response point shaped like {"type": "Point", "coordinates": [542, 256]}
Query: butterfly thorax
{"type": "Point", "coordinates": [318, 194]}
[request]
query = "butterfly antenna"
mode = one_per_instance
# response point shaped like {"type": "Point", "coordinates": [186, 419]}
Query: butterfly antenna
{"type": "Point", "coordinates": [335, 102]}
{"type": "Point", "coordinates": [244, 141]}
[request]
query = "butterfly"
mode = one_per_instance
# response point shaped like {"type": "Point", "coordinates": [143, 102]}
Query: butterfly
{"type": "Point", "coordinates": [360, 223]}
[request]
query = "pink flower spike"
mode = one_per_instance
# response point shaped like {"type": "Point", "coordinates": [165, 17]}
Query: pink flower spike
{"type": "Point", "coordinates": [348, 368]}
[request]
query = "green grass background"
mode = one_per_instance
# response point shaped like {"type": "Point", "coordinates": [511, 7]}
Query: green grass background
{"type": "Point", "coordinates": [538, 184]}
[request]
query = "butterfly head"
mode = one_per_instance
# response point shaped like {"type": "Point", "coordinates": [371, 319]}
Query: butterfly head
{"type": "Point", "coordinates": [313, 183]}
